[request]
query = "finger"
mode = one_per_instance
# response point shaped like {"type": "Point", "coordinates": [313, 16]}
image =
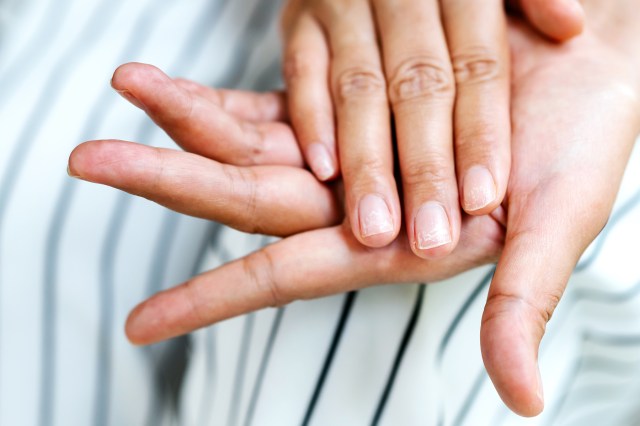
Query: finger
{"type": "Point", "coordinates": [421, 91]}
{"type": "Point", "coordinates": [476, 32]}
{"type": "Point", "coordinates": [542, 248]}
{"type": "Point", "coordinates": [306, 70]}
{"type": "Point", "coordinates": [557, 19]}
{"type": "Point", "coordinates": [252, 199]}
{"type": "Point", "coordinates": [305, 266]}
{"type": "Point", "coordinates": [250, 106]}
{"type": "Point", "coordinates": [200, 125]}
{"type": "Point", "coordinates": [363, 117]}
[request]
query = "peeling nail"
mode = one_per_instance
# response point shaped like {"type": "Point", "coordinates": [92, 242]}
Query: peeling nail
{"type": "Point", "coordinates": [129, 96]}
{"type": "Point", "coordinates": [320, 161]}
{"type": "Point", "coordinates": [432, 227]}
{"type": "Point", "coordinates": [479, 188]}
{"type": "Point", "coordinates": [374, 216]}
{"type": "Point", "coordinates": [71, 174]}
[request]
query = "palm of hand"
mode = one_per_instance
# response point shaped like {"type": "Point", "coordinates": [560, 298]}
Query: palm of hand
{"type": "Point", "coordinates": [574, 113]}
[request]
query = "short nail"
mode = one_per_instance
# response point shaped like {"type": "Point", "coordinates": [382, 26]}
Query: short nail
{"type": "Point", "coordinates": [479, 188]}
{"type": "Point", "coordinates": [320, 161]}
{"type": "Point", "coordinates": [71, 174]}
{"type": "Point", "coordinates": [129, 96]}
{"type": "Point", "coordinates": [374, 216]}
{"type": "Point", "coordinates": [432, 227]}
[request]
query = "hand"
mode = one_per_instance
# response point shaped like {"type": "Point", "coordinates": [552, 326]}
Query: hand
{"type": "Point", "coordinates": [575, 115]}
{"type": "Point", "coordinates": [560, 194]}
{"type": "Point", "coordinates": [335, 67]}
{"type": "Point", "coordinates": [244, 170]}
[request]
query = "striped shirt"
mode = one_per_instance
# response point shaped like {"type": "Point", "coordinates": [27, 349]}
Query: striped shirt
{"type": "Point", "coordinates": [75, 257]}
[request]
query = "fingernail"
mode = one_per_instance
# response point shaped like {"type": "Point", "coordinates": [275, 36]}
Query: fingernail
{"type": "Point", "coordinates": [320, 161]}
{"type": "Point", "coordinates": [576, 7]}
{"type": "Point", "coordinates": [374, 216]}
{"type": "Point", "coordinates": [71, 174]}
{"type": "Point", "coordinates": [432, 226]}
{"type": "Point", "coordinates": [478, 188]}
{"type": "Point", "coordinates": [129, 96]}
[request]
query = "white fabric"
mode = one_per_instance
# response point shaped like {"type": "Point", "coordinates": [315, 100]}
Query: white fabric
{"type": "Point", "coordinates": [97, 252]}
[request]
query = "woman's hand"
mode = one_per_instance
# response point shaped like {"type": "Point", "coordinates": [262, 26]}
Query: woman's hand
{"type": "Point", "coordinates": [576, 113]}
{"type": "Point", "coordinates": [349, 65]}
{"type": "Point", "coordinates": [244, 170]}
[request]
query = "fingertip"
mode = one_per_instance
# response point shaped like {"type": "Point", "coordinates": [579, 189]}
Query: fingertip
{"type": "Point", "coordinates": [133, 80]}
{"type": "Point", "coordinates": [133, 329]}
{"type": "Point", "coordinates": [86, 159]}
{"type": "Point", "coordinates": [510, 358]}
{"type": "Point", "coordinates": [376, 226]}
{"type": "Point", "coordinates": [479, 192]}
{"type": "Point", "coordinates": [322, 162]}
{"type": "Point", "coordinates": [75, 161]}
{"type": "Point", "coordinates": [558, 20]}
{"type": "Point", "coordinates": [433, 233]}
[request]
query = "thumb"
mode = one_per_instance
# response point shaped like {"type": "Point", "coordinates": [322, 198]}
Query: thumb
{"type": "Point", "coordinates": [536, 263]}
{"type": "Point", "coordinates": [557, 19]}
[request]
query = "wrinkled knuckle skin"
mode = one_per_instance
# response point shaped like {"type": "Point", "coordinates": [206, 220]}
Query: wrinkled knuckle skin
{"type": "Point", "coordinates": [421, 174]}
{"type": "Point", "coordinates": [296, 67]}
{"type": "Point", "coordinates": [478, 143]}
{"type": "Point", "coordinates": [421, 78]}
{"type": "Point", "coordinates": [501, 306]}
{"type": "Point", "coordinates": [260, 270]}
{"type": "Point", "coordinates": [359, 83]}
{"type": "Point", "coordinates": [475, 66]}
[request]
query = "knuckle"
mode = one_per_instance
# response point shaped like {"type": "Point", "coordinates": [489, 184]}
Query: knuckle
{"type": "Point", "coordinates": [252, 149]}
{"type": "Point", "coordinates": [245, 186]}
{"type": "Point", "coordinates": [419, 173]}
{"type": "Point", "coordinates": [478, 143]}
{"type": "Point", "coordinates": [193, 296]}
{"type": "Point", "coordinates": [502, 306]}
{"type": "Point", "coordinates": [259, 268]}
{"type": "Point", "coordinates": [421, 78]}
{"type": "Point", "coordinates": [297, 66]}
{"type": "Point", "coordinates": [370, 165]}
{"type": "Point", "coordinates": [476, 65]}
{"type": "Point", "coordinates": [359, 83]}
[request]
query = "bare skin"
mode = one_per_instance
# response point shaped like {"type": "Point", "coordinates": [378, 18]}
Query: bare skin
{"type": "Point", "coordinates": [575, 112]}
{"type": "Point", "coordinates": [442, 68]}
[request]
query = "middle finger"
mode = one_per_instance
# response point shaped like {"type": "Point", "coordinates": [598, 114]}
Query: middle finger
{"type": "Point", "coordinates": [421, 91]}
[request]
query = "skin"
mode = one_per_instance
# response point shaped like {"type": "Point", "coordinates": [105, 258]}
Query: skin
{"type": "Point", "coordinates": [575, 114]}
{"type": "Point", "coordinates": [441, 67]}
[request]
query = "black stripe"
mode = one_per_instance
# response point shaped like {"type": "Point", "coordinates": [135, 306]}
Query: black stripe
{"type": "Point", "coordinates": [333, 348]}
{"type": "Point", "coordinates": [208, 392]}
{"type": "Point", "coordinates": [266, 356]}
{"type": "Point", "coordinates": [470, 399]}
{"type": "Point", "coordinates": [612, 339]}
{"type": "Point", "coordinates": [49, 341]}
{"type": "Point", "coordinates": [157, 272]}
{"type": "Point", "coordinates": [102, 395]}
{"type": "Point", "coordinates": [241, 368]}
{"type": "Point", "coordinates": [608, 364]}
{"type": "Point", "coordinates": [105, 101]}
{"type": "Point", "coordinates": [580, 295]}
{"type": "Point", "coordinates": [194, 47]}
{"type": "Point", "coordinates": [95, 26]}
{"type": "Point", "coordinates": [404, 344]}
{"type": "Point", "coordinates": [453, 327]}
